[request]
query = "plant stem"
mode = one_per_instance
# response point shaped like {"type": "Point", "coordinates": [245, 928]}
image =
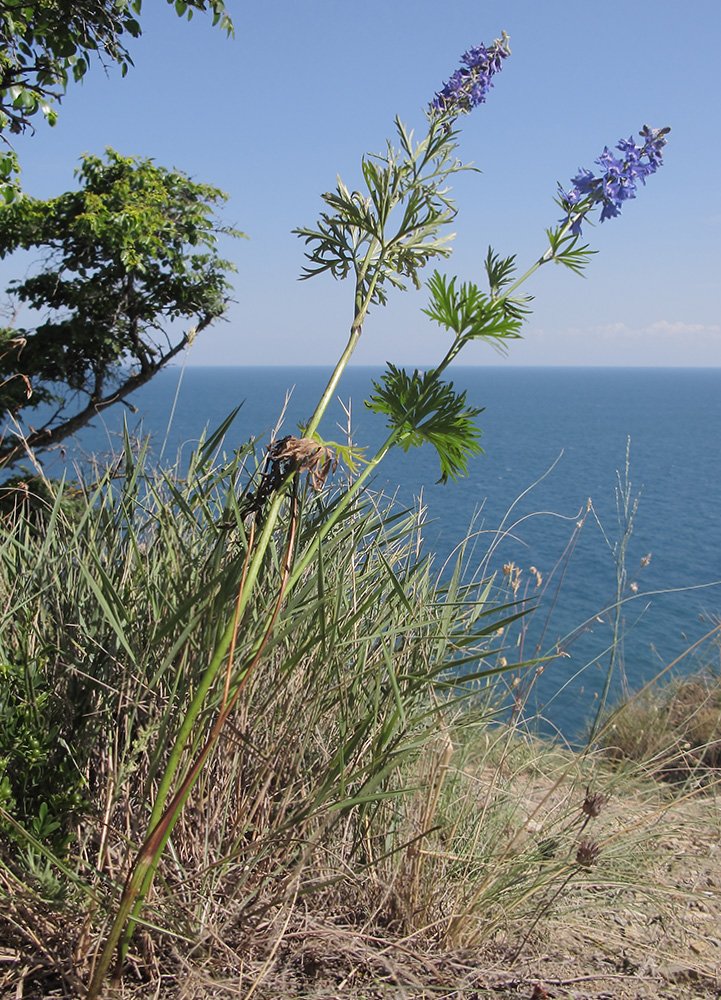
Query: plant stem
{"type": "Point", "coordinates": [302, 562]}
{"type": "Point", "coordinates": [547, 255]}
{"type": "Point", "coordinates": [140, 878]}
{"type": "Point", "coordinates": [362, 306]}
{"type": "Point", "coordinates": [164, 816]}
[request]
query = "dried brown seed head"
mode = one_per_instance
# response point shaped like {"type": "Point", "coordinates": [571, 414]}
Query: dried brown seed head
{"type": "Point", "coordinates": [587, 853]}
{"type": "Point", "coordinates": [593, 804]}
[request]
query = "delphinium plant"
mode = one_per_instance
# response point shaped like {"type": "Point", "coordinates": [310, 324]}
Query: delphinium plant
{"type": "Point", "coordinates": [378, 238]}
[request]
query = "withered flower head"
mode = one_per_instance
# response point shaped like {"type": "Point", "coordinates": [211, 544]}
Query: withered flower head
{"type": "Point", "coordinates": [539, 993]}
{"type": "Point", "coordinates": [587, 853]}
{"type": "Point", "coordinates": [593, 804]}
{"type": "Point", "coordinates": [305, 455]}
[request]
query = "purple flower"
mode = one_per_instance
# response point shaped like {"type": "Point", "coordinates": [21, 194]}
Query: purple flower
{"type": "Point", "coordinates": [618, 178]}
{"type": "Point", "coordinates": [468, 86]}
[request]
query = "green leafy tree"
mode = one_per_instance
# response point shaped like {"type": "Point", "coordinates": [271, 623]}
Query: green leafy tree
{"type": "Point", "coordinates": [130, 273]}
{"type": "Point", "coordinates": [46, 43]}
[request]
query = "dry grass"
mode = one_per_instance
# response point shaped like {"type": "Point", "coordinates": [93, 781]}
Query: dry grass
{"type": "Point", "coordinates": [464, 902]}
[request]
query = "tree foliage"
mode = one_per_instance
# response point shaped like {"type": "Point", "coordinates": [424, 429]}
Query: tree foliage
{"type": "Point", "coordinates": [46, 43]}
{"type": "Point", "coordinates": [129, 261]}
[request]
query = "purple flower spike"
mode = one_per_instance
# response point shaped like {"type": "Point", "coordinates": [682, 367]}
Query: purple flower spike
{"type": "Point", "coordinates": [618, 178]}
{"type": "Point", "coordinates": [468, 86]}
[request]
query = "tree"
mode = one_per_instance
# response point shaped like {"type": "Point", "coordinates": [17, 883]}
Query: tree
{"type": "Point", "coordinates": [129, 260]}
{"type": "Point", "coordinates": [45, 43]}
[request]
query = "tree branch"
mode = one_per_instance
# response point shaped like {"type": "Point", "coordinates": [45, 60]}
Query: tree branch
{"type": "Point", "coordinates": [13, 451]}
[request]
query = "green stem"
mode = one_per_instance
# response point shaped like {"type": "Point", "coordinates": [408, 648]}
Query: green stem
{"type": "Point", "coordinates": [362, 306]}
{"type": "Point", "coordinates": [163, 818]}
{"type": "Point", "coordinates": [547, 255]}
{"type": "Point", "coordinates": [524, 277]}
{"type": "Point", "coordinates": [219, 654]}
{"type": "Point", "coordinates": [325, 399]}
{"type": "Point", "coordinates": [144, 871]}
{"type": "Point", "coordinates": [301, 563]}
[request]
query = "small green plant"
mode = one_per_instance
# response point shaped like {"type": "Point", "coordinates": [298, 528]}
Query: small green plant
{"type": "Point", "coordinates": [42, 782]}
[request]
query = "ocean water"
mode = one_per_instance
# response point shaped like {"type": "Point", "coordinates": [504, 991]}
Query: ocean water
{"type": "Point", "coordinates": [553, 439]}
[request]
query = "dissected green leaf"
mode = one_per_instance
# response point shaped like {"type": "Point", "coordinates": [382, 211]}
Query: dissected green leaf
{"type": "Point", "coordinates": [387, 233]}
{"type": "Point", "coordinates": [471, 314]}
{"type": "Point", "coordinates": [422, 409]}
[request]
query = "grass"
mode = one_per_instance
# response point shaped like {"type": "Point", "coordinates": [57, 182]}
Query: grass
{"type": "Point", "coordinates": [368, 821]}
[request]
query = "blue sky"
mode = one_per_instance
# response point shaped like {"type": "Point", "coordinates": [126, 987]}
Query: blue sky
{"type": "Point", "coordinates": [305, 89]}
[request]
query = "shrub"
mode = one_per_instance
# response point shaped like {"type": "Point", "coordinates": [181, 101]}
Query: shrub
{"type": "Point", "coordinates": [674, 729]}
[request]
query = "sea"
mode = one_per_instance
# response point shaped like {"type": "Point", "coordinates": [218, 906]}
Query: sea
{"type": "Point", "coordinates": [632, 455]}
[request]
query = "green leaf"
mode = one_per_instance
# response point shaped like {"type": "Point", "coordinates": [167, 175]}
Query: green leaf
{"type": "Point", "coordinates": [563, 248]}
{"type": "Point", "coordinates": [472, 315]}
{"type": "Point", "coordinates": [64, 46]}
{"type": "Point", "coordinates": [499, 270]}
{"type": "Point", "coordinates": [386, 233]}
{"type": "Point", "coordinates": [421, 409]}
